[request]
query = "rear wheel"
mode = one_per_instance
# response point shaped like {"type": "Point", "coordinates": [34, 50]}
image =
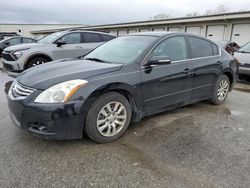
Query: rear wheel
{"type": "Point", "coordinates": [221, 90]}
{"type": "Point", "coordinates": [36, 61]}
{"type": "Point", "coordinates": [108, 118]}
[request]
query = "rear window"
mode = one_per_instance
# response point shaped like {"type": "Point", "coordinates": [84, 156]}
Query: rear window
{"type": "Point", "coordinates": [200, 47]}
{"type": "Point", "coordinates": [215, 49]}
{"type": "Point", "coordinates": [107, 37]}
{"type": "Point", "coordinates": [26, 40]}
{"type": "Point", "coordinates": [92, 38]}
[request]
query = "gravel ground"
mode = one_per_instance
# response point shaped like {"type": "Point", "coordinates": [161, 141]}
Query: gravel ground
{"type": "Point", "coordinates": [200, 145]}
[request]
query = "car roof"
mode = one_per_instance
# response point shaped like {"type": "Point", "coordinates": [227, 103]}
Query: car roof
{"type": "Point", "coordinates": [86, 31]}
{"type": "Point", "coordinates": [153, 33]}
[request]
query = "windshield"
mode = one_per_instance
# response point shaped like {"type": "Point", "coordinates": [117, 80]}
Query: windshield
{"type": "Point", "coordinates": [51, 38]}
{"type": "Point", "coordinates": [245, 48]}
{"type": "Point", "coordinates": [122, 50]}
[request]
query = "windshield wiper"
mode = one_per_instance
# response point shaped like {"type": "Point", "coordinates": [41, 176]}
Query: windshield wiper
{"type": "Point", "coordinates": [94, 59]}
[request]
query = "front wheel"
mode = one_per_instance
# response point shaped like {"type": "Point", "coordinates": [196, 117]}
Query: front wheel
{"type": "Point", "coordinates": [108, 118]}
{"type": "Point", "coordinates": [221, 90]}
{"type": "Point", "coordinates": [36, 61]}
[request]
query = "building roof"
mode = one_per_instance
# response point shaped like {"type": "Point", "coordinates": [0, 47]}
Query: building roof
{"type": "Point", "coordinates": [225, 16]}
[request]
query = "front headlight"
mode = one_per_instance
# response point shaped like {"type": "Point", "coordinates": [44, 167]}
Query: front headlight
{"type": "Point", "coordinates": [61, 92]}
{"type": "Point", "coordinates": [16, 55]}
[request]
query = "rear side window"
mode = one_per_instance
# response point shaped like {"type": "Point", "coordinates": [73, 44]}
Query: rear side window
{"type": "Point", "coordinates": [215, 49]}
{"type": "Point", "coordinates": [26, 40]}
{"type": "Point", "coordinates": [107, 37]}
{"type": "Point", "coordinates": [72, 38]}
{"type": "Point", "coordinates": [14, 41]}
{"type": "Point", "coordinates": [200, 47]}
{"type": "Point", "coordinates": [92, 38]}
{"type": "Point", "coordinates": [175, 48]}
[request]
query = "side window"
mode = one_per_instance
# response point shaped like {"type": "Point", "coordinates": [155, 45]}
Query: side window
{"type": "Point", "coordinates": [72, 38]}
{"type": "Point", "coordinates": [14, 41]}
{"type": "Point", "coordinates": [215, 49]}
{"type": "Point", "coordinates": [200, 47]}
{"type": "Point", "coordinates": [175, 48]}
{"type": "Point", "coordinates": [107, 37]}
{"type": "Point", "coordinates": [26, 40]}
{"type": "Point", "coordinates": [92, 37]}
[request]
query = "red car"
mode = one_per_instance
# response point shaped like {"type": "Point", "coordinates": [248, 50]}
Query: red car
{"type": "Point", "coordinates": [229, 46]}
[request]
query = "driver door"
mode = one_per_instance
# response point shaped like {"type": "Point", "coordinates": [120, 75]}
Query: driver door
{"type": "Point", "coordinates": [167, 85]}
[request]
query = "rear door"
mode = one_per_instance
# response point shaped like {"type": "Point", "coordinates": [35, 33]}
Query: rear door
{"type": "Point", "coordinates": [72, 48]}
{"type": "Point", "coordinates": [205, 65]}
{"type": "Point", "coordinates": [28, 40]}
{"type": "Point", "coordinates": [90, 41]}
{"type": "Point", "coordinates": [167, 86]}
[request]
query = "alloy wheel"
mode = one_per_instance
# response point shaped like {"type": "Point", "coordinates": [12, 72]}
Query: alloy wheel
{"type": "Point", "coordinates": [223, 90]}
{"type": "Point", "coordinates": [38, 63]}
{"type": "Point", "coordinates": [111, 119]}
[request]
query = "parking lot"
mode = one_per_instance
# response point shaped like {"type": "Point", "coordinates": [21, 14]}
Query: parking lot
{"type": "Point", "coordinates": [200, 145]}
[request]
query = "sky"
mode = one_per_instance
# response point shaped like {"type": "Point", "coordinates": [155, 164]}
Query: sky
{"type": "Point", "coordinates": [94, 12]}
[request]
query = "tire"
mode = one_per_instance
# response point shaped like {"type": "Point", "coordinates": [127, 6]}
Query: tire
{"type": "Point", "coordinates": [221, 90]}
{"type": "Point", "coordinates": [105, 125]}
{"type": "Point", "coordinates": [36, 61]}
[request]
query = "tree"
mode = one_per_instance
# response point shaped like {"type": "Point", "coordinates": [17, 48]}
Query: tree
{"type": "Point", "coordinates": [221, 9]}
{"type": "Point", "coordinates": [160, 16]}
{"type": "Point", "coordinates": [192, 14]}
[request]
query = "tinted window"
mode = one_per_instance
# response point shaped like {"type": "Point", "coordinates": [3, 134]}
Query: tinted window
{"type": "Point", "coordinates": [14, 41]}
{"type": "Point", "coordinates": [175, 48]}
{"type": "Point", "coordinates": [72, 38]}
{"type": "Point", "coordinates": [215, 49]}
{"type": "Point", "coordinates": [26, 40]}
{"type": "Point", "coordinates": [92, 37]}
{"type": "Point", "coordinates": [107, 37]}
{"type": "Point", "coordinates": [200, 47]}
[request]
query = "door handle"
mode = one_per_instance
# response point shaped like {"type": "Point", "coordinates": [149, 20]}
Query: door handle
{"type": "Point", "coordinates": [219, 63]}
{"type": "Point", "coordinates": [186, 71]}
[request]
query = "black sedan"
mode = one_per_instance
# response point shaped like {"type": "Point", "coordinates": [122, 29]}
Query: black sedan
{"type": "Point", "coordinates": [121, 81]}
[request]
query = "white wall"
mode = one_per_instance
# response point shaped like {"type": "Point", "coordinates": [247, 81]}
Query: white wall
{"type": "Point", "coordinates": [26, 28]}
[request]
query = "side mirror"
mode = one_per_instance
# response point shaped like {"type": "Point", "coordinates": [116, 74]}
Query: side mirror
{"type": "Point", "coordinates": [60, 42]}
{"type": "Point", "coordinates": [6, 43]}
{"type": "Point", "coordinates": [159, 60]}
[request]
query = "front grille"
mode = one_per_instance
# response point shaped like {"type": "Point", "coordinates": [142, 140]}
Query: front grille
{"type": "Point", "coordinates": [19, 91]}
{"type": "Point", "coordinates": [7, 56]}
{"type": "Point", "coordinates": [8, 67]}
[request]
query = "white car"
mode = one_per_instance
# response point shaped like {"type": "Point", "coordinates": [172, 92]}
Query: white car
{"type": "Point", "coordinates": [60, 45]}
{"type": "Point", "coordinates": [243, 56]}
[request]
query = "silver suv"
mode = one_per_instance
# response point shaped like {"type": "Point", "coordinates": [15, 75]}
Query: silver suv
{"type": "Point", "coordinates": [60, 45]}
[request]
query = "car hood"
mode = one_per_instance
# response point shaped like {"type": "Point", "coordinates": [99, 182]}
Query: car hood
{"type": "Point", "coordinates": [242, 57]}
{"type": "Point", "coordinates": [24, 46]}
{"type": "Point", "coordinates": [47, 75]}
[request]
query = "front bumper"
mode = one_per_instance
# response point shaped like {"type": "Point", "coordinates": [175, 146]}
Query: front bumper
{"type": "Point", "coordinates": [49, 121]}
{"type": "Point", "coordinates": [11, 66]}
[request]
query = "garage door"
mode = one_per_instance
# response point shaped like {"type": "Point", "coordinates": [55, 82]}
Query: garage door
{"type": "Point", "coordinates": [174, 29]}
{"type": "Point", "coordinates": [122, 32]}
{"type": "Point", "coordinates": [241, 33]}
{"type": "Point", "coordinates": [215, 32]}
{"type": "Point", "coordinates": [132, 31]}
{"type": "Point", "coordinates": [112, 32]}
{"type": "Point", "coordinates": [158, 29]}
{"type": "Point", "coordinates": [194, 30]}
{"type": "Point", "coordinates": [144, 30]}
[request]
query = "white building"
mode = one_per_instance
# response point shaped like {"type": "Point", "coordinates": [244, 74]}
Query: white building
{"type": "Point", "coordinates": [221, 27]}
{"type": "Point", "coordinates": [25, 29]}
